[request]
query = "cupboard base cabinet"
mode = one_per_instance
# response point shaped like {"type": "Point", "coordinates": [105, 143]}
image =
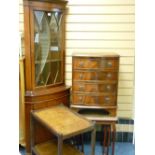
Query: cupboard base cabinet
{"type": "Point", "coordinates": [40, 100]}
{"type": "Point", "coordinates": [95, 82]}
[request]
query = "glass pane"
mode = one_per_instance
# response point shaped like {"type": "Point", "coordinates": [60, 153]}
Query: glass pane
{"type": "Point", "coordinates": [47, 40]}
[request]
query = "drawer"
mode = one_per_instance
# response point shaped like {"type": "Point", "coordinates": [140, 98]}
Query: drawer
{"type": "Point", "coordinates": [86, 99]}
{"type": "Point", "coordinates": [95, 63]}
{"type": "Point", "coordinates": [94, 87]}
{"type": "Point", "coordinates": [94, 75]}
{"type": "Point", "coordinates": [87, 63]}
{"type": "Point", "coordinates": [109, 63]}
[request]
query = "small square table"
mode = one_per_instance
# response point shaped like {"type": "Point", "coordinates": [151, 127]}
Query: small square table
{"type": "Point", "coordinates": [108, 124]}
{"type": "Point", "coordinates": [63, 123]}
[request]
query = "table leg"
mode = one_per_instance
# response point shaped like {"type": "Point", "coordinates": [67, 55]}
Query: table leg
{"type": "Point", "coordinates": [108, 138]}
{"type": "Point", "coordinates": [104, 140]}
{"type": "Point", "coordinates": [81, 141]}
{"type": "Point", "coordinates": [113, 138]}
{"type": "Point", "coordinates": [93, 139]}
{"type": "Point", "coordinates": [60, 145]}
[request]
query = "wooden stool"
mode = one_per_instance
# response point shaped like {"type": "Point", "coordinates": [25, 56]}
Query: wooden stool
{"type": "Point", "coordinates": [64, 124]}
{"type": "Point", "coordinates": [108, 124]}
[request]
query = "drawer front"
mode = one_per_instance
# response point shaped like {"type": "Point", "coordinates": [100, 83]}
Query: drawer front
{"type": "Point", "coordinates": [95, 63]}
{"type": "Point", "coordinates": [109, 63]}
{"type": "Point", "coordinates": [84, 99]}
{"type": "Point", "coordinates": [94, 87]}
{"type": "Point", "coordinates": [92, 75]}
{"type": "Point", "coordinates": [87, 63]}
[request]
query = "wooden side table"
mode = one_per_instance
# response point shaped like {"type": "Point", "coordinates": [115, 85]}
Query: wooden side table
{"type": "Point", "coordinates": [108, 127]}
{"type": "Point", "coordinates": [108, 124]}
{"type": "Point", "coordinates": [64, 124]}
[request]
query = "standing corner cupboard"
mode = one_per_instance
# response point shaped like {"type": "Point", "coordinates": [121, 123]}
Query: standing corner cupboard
{"type": "Point", "coordinates": [44, 35]}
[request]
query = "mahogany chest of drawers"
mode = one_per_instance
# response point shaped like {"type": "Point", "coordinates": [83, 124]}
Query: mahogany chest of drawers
{"type": "Point", "coordinates": [95, 81]}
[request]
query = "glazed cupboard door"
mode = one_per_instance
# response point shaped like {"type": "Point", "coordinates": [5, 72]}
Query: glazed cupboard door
{"type": "Point", "coordinates": [47, 46]}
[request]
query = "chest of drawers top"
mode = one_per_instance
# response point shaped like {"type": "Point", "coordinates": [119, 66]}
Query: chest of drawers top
{"type": "Point", "coordinates": [109, 54]}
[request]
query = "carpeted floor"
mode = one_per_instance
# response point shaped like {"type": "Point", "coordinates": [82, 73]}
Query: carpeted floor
{"type": "Point", "coordinates": [120, 149]}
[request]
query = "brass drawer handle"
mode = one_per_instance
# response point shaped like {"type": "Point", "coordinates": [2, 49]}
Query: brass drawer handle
{"type": "Point", "coordinates": [109, 75]}
{"type": "Point", "coordinates": [81, 64]}
{"type": "Point", "coordinates": [107, 99]}
{"type": "Point", "coordinates": [81, 87]}
{"type": "Point", "coordinates": [108, 87]}
{"type": "Point", "coordinates": [80, 98]}
{"type": "Point", "coordinates": [109, 64]}
{"type": "Point", "coordinates": [81, 76]}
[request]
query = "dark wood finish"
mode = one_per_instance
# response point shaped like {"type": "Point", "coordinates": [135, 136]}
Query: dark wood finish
{"type": "Point", "coordinates": [95, 63]}
{"type": "Point", "coordinates": [108, 124]}
{"type": "Point", "coordinates": [95, 86]}
{"type": "Point", "coordinates": [38, 97]}
{"type": "Point", "coordinates": [94, 76]}
{"type": "Point", "coordinates": [89, 99]}
{"type": "Point", "coordinates": [95, 81]}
